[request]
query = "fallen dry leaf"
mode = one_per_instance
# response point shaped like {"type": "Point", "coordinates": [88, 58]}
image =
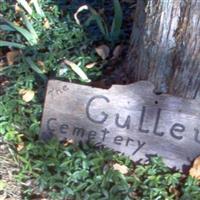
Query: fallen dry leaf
{"type": "Point", "coordinates": [3, 196]}
{"type": "Point", "coordinates": [46, 23]}
{"type": "Point", "coordinates": [20, 146]}
{"type": "Point", "coordinates": [103, 51]}
{"type": "Point", "coordinates": [68, 142]}
{"type": "Point", "coordinates": [195, 170]}
{"type": "Point", "coordinates": [18, 22]}
{"type": "Point", "coordinates": [42, 65]}
{"type": "Point", "coordinates": [90, 65]}
{"type": "Point", "coordinates": [117, 52]}
{"type": "Point", "coordinates": [173, 190]}
{"type": "Point", "coordinates": [17, 8]}
{"type": "Point", "coordinates": [77, 70]}
{"type": "Point", "coordinates": [121, 168]}
{"type": "Point", "coordinates": [27, 95]}
{"type": "Point", "coordinates": [3, 63]}
{"type": "Point", "coordinates": [80, 9]}
{"type": "Point", "coordinates": [11, 56]}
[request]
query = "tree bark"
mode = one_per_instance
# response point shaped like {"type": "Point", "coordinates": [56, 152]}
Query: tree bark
{"type": "Point", "coordinates": [165, 46]}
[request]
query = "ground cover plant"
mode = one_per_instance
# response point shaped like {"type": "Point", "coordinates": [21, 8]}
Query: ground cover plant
{"type": "Point", "coordinates": [41, 41]}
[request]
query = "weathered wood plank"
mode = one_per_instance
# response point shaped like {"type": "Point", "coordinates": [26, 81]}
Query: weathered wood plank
{"type": "Point", "coordinates": [130, 119]}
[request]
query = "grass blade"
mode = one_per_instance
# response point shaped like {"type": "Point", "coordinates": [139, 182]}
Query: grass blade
{"type": "Point", "coordinates": [117, 21]}
{"type": "Point", "coordinates": [35, 68]}
{"type": "Point", "coordinates": [30, 27]}
{"type": "Point", "coordinates": [4, 27]}
{"type": "Point", "coordinates": [38, 8]}
{"type": "Point", "coordinates": [26, 6]}
{"type": "Point", "coordinates": [100, 22]}
{"type": "Point", "coordinates": [28, 35]}
{"type": "Point", "coordinates": [11, 44]}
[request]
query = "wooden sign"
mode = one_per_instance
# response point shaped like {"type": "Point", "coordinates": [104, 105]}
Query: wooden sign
{"type": "Point", "coordinates": [130, 119]}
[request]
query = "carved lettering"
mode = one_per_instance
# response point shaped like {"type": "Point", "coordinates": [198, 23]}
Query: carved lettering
{"type": "Point", "coordinates": [156, 124]}
{"type": "Point", "coordinates": [105, 132]}
{"type": "Point", "coordinates": [126, 123]}
{"type": "Point", "coordinates": [129, 140]}
{"type": "Point", "coordinates": [88, 112]}
{"type": "Point", "coordinates": [118, 139]}
{"type": "Point", "coordinates": [50, 124]}
{"type": "Point", "coordinates": [78, 132]}
{"type": "Point", "coordinates": [177, 128]}
{"type": "Point", "coordinates": [196, 136]}
{"type": "Point", "coordinates": [65, 88]}
{"type": "Point", "coordinates": [131, 119]}
{"type": "Point", "coordinates": [63, 128]}
{"type": "Point", "coordinates": [142, 121]}
{"type": "Point", "coordinates": [140, 145]}
{"type": "Point", "coordinates": [58, 91]}
{"type": "Point", "coordinates": [92, 135]}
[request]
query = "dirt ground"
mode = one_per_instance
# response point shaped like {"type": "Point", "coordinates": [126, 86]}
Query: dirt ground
{"type": "Point", "coordinates": [9, 188]}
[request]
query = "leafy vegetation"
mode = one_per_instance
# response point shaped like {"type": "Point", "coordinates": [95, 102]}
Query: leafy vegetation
{"type": "Point", "coordinates": [43, 36]}
{"type": "Point", "coordinates": [113, 34]}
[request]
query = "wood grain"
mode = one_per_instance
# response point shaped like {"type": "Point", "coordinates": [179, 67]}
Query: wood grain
{"type": "Point", "coordinates": [165, 47]}
{"type": "Point", "coordinates": [129, 119]}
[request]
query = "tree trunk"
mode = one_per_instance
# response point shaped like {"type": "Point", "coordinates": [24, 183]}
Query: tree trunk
{"type": "Point", "coordinates": [165, 46]}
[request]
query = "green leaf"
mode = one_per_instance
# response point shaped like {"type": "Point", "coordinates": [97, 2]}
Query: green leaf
{"type": "Point", "coordinates": [95, 195]}
{"type": "Point", "coordinates": [30, 27]}
{"type": "Point", "coordinates": [26, 6]}
{"type": "Point", "coordinates": [69, 191]}
{"type": "Point", "coordinates": [117, 21]}
{"type": "Point", "coordinates": [3, 185]}
{"type": "Point", "coordinates": [81, 187]}
{"type": "Point", "coordinates": [28, 35]}
{"type": "Point", "coordinates": [100, 22]}
{"type": "Point", "coordinates": [6, 28]}
{"type": "Point", "coordinates": [38, 8]}
{"type": "Point", "coordinates": [11, 44]}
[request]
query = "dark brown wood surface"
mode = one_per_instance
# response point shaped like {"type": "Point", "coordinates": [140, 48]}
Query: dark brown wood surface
{"type": "Point", "coordinates": [129, 119]}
